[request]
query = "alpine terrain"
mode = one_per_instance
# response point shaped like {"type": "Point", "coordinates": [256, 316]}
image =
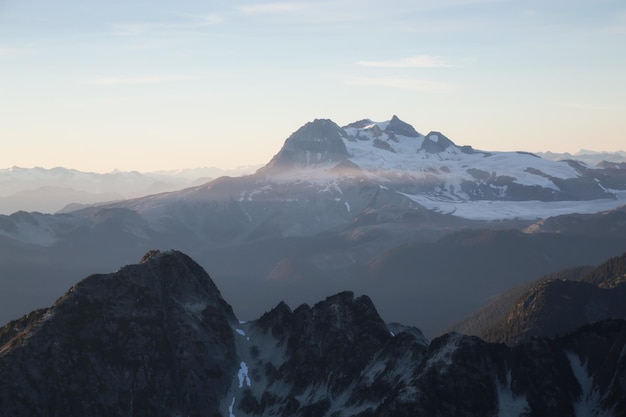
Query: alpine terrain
{"type": "Point", "coordinates": [430, 229]}
{"type": "Point", "coordinates": [157, 339]}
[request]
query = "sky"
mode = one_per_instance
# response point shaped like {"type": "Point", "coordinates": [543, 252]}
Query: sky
{"type": "Point", "coordinates": [153, 85]}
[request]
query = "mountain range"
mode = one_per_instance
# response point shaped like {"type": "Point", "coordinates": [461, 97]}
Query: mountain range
{"type": "Point", "coordinates": [62, 189]}
{"type": "Point", "coordinates": [588, 157]}
{"type": "Point", "coordinates": [158, 339]}
{"type": "Point", "coordinates": [427, 227]}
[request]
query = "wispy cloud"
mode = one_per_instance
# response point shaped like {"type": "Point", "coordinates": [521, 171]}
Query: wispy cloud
{"type": "Point", "coordinates": [417, 61]}
{"type": "Point", "coordinates": [193, 22]}
{"type": "Point", "coordinates": [6, 52]}
{"type": "Point", "coordinates": [272, 8]}
{"type": "Point", "coordinates": [579, 105]}
{"type": "Point", "coordinates": [618, 26]}
{"type": "Point", "coordinates": [146, 79]}
{"type": "Point", "coordinates": [408, 84]}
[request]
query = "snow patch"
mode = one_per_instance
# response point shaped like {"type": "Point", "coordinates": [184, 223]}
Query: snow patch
{"type": "Point", "coordinates": [243, 375]}
{"type": "Point", "coordinates": [230, 408]}
{"type": "Point", "coordinates": [241, 332]}
{"type": "Point", "coordinates": [510, 405]}
{"type": "Point", "coordinates": [590, 402]}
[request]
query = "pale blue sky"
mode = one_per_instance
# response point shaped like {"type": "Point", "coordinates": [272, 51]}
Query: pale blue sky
{"type": "Point", "coordinates": [147, 85]}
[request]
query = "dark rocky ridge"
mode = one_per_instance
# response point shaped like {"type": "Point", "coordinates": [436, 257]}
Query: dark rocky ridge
{"type": "Point", "coordinates": [157, 339]}
{"type": "Point", "coordinates": [134, 342]}
{"type": "Point", "coordinates": [259, 217]}
{"type": "Point", "coordinates": [398, 127]}
{"type": "Point", "coordinates": [554, 305]}
{"type": "Point", "coordinates": [435, 142]}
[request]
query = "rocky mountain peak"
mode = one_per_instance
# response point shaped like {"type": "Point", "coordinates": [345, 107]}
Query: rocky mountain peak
{"type": "Point", "coordinates": [138, 337]}
{"type": "Point", "coordinates": [316, 143]}
{"type": "Point", "coordinates": [435, 142]}
{"type": "Point", "coordinates": [398, 127]}
{"type": "Point", "coordinates": [156, 339]}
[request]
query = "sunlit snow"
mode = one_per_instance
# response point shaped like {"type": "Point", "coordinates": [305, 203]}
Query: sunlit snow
{"type": "Point", "coordinates": [494, 210]}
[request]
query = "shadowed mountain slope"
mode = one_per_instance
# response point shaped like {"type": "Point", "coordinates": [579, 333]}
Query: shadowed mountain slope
{"type": "Point", "coordinates": [555, 305]}
{"type": "Point", "coordinates": [157, 339]}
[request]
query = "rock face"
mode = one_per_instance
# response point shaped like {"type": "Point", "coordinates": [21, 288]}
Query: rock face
{"type": "Point", "coordinates": [157, 339]}
{"type": "Point", "coordinates": [332, 200]}
{"type": "Point", "coordinates": [554, 307]}
{"type": "Point", "coordinates": [398, 127]}
{"type": "Point", "coordinates": [151, 339]}
{"type": "Point", "coordinates": [316, 143]}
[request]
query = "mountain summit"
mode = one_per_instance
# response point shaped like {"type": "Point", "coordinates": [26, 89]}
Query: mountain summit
{"type": "Point", "coordinates": [330, 203]}
{"type": "Point", "coordinates": [316, 143]}
{"type": "Point", "coordinates": [156, 339]}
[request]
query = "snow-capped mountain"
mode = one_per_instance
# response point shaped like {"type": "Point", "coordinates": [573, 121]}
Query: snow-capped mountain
{"type": "Point", "coordinates": [345, 207]}
{"type": "Point", "coordinates": [434, 172]}
{"type": "Point", "coordinates": [158, 339]}
{"type": "Point", "coordinates": [326, 176]}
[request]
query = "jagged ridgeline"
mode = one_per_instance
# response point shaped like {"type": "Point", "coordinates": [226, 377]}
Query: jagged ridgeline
{"type": "Point", "coordinates": [429, 228]}
{"type": "Point", "coordinates": [158, 339]}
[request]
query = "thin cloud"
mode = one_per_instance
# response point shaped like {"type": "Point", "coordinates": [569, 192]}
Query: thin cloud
{"type": "Point", "coordinates": [6, 52]}
{"type": "Point", "coordinates": [617, 30]}
{"type": "Point", "coordinates": [408, 84]}
{"type": "Point", "coordinates": [417, 61]}
{"type": "Point", "coordinates": [147, 79]}
{"type": "Point", "coordinates": [138, 28]}
{"type": "Point", "coordinates": [587, 106]}
{"type": "Point", "coordinates": [271, 8]}
{"type": "Point", "coordinates": [618, 27]}
{"type": "Point", "coordinates": [309, 13]}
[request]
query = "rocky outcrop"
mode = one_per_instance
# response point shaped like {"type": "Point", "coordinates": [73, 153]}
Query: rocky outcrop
{"type": "Point", "coordinates": [316, 143]}
{"type": "Point", "coordinates": [152, 339]}
{"type": "Point", "coordinates": [435, 142]}
{"type": "Point", "coordinates": [558, 304]}
{"type": "Point", "coordinates": [157, 339]}
{"type": "Point", "coordinates": [398, 127]}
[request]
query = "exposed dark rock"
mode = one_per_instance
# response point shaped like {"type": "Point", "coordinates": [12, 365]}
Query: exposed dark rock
{"type": "Point", "coordinates": [608, 223]}
{"type": "Point", "coordinates": [157, 339]}
{"type": "Point", "coordinates": [316, 143]}
{"type": "Point", "coordinates": [359, 124]}
{"type": "Point", "coordinates": [152, 339]}
{"type": "Point", "coordinates": [398, 127]}
{"type": "Point", "coordinates": [381, 144]}
{"type": "Point", "coordinates": [435, 142]}
{"type": "Point", "coordinates": [555, 305]}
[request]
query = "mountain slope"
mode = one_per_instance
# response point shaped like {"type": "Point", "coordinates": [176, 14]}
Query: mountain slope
{"type": "Point", "coordinates": [458, 273]}
{"type": "Point", "coordinates": [157, 339]}
{"type": "Point", "coordinates": [555, 305]}
{"type": "Point", "coordinates": [305, 226]}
